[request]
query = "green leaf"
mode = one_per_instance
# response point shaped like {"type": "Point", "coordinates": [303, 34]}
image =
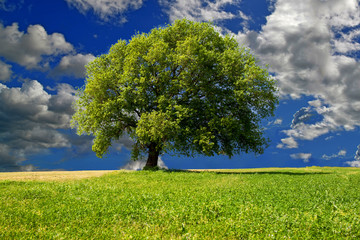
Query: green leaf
{"type": "Point", "coordinates": [184, 88]}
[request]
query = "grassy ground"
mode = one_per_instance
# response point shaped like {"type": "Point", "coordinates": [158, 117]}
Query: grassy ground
{"type": "Point", "coordinates": [308, 203]}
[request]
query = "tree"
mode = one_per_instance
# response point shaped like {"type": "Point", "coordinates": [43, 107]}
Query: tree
{"type": "Point", "coordinates": [181, 89]}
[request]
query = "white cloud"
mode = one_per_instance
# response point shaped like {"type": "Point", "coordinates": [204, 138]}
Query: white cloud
{"type": "Point", "coordinates": [329, 138]}
{"type": "Point", "coordinates": [356, 162]}
{"type": "Point", "coordinates": [357, 154]}
{"type": "Point", "coordinates": [303, 156]}
{"type": "Point", "coordinates": [35, 49]}
{"type": "Point", "coordinates": [288, 143]}
{"type": "Point", "coordinates": [73, 65]}
{"type": "Point", "coordinates": [5, 72]}
{"type": "Point", "coordinates": [32, 121]}
{"type": "Point", "coordinates": [347, 42]}
{"type": "Point", "coordinates": [305, 115]}
{"type": "Point", "coordinates": [106, 9]}
{"type": "Point", "coordinates": [309, 131]}
{"type": "Point", "coordinates": [353, 163]}
{"type": "Point", "coordinates": [10, 162]}
{"type": "Point", "coordinates": [307, 46]}
{"type": "Point", "coordinates": [28, 49]}
{"type": "Point", "coordinates": [29, 119]}
{"type": "Point", "coordinates": [308, 124]}
{"type": "Point", "coordinates": [315, 103]}
{"type": "Point", "coordinates": [278, 121]}
{"type": "Point", "coordinates": [340, 154]}
{"type": "Point", "coordinates": [30, 107]}
{"type": "Point", "coordinates": [304, 131]}
{"type": "Point", "coordinates": [296, 42]}
{"type": "Point", "coordinates": [198, 10]}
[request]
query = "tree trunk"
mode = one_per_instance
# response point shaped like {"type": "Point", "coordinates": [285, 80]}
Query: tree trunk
{"type": "Point", "coordinates": [152, 160]}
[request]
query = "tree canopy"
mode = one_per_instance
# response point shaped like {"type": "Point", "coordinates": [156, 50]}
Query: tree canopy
{"type": "Point", "coordinates": [181, 89]}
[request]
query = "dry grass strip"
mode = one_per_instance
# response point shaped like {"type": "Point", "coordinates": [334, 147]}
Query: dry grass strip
{"type": "Point", "coordinates": [51, 175]}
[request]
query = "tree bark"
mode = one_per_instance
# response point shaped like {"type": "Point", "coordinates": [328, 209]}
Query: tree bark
{"type": "Point", "coordinates": [153, 156]}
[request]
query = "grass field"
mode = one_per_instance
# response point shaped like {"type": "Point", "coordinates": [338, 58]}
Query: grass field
{"type": "Point", "coordinates": [304, 203]}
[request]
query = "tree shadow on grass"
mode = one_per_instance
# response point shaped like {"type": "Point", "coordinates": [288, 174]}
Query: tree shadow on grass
{"type": "Point", "coordinates": [251, 173]}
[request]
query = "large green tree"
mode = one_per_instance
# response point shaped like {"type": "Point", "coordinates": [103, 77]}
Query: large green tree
{"type": "Point", "coordinates": [182, 88]}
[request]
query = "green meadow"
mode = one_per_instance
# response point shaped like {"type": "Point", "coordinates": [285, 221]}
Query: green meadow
{"type": "Point", "coordinates": [292, 203]}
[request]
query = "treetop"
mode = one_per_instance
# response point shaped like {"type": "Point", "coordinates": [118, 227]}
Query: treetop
{"type": "Point", "coordinates": [183, 88]}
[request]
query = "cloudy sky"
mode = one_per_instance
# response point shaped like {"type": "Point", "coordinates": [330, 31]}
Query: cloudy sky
{"type": "Point", "coordinates": [312, 47]}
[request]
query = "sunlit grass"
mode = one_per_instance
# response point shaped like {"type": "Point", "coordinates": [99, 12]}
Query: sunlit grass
{"type": "Point", "coordinates": [279, 203]}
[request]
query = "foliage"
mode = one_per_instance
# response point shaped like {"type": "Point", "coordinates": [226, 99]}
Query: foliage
{"type": "Point", "coordinates": [311, 203]}
{"type": "Point", "coordinates": [182, 88]}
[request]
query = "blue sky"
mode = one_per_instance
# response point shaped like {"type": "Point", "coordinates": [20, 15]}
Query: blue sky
{"type": "Point", "coordinates": [312, 48]}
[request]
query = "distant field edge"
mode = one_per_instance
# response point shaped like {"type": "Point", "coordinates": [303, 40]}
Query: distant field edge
{"type": "Point", "coordinates": [52, 175]}
{"type": "Point", "coordinates": [76, 175]}
{"type": "Point", "coordinates": [270, 169]}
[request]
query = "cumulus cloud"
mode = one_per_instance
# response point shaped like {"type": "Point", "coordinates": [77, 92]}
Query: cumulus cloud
{"type": "Point", "coordinates": [29, 122]}
{"type": "Point", "coordinates": [28, 49]}
{"type": "Point", "coordinates": [33, 121]}
{"type": "Point", "coordinates": [5, 72]}
{"type": "Point", "coordinates": [348, 42]}
{"type": "Point", "coordinates": [356, 162]}
{"type": "Point", "coordinates": [357, 154]}
{"type": "Point", "coordinates": [312, 47]}
{"type": "Point", "coordinates": [297, 43]}
{"type": "Point", "coordinates": [10, 161]}
{"type": "Point", "coordinates": [140, 164]}
{"type": "Point", "coordinates": [198, 10]}
{"type": "Point", "coordinates": [36, 48]}
{"type": "Point", "coordinates": [308, 123]}
{"type": "Point", "coordinates": [31, 104]}
{"type": "Point", "coordinates": [303, 156]}
{"type": "Point", "coordinates": [288, 143]}
{"type": "Point", "coordinates": [73, 65]}
{"type": "Point", "coordinates": [278, 121]}
{"type": "Point", "coordinates": [306, 115]}
{"type": "Point", "coordinates": [340, 154]}
{"type": "Point", "coordinates": [106, 9]}
{"type": "Point", "coordinates": [353, 163]}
